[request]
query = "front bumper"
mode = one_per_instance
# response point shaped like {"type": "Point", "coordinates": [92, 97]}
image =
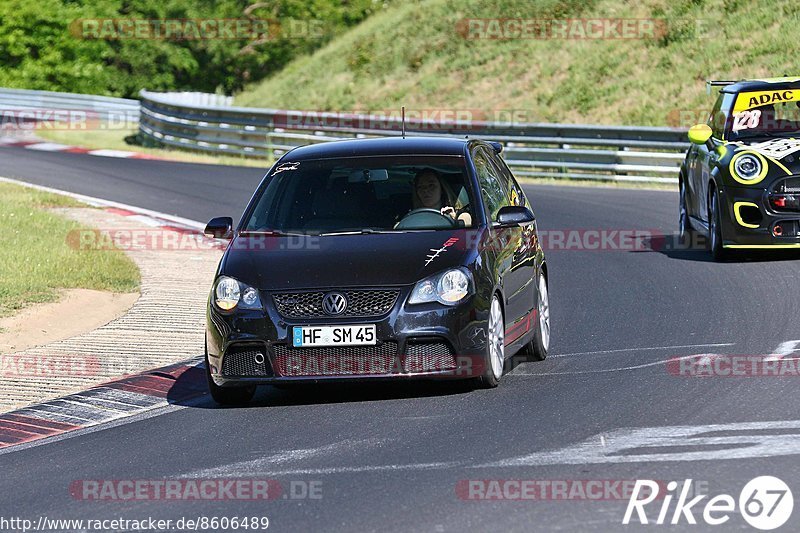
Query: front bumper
{"type": "Point", "coordinates": [752, 219]}
{"type": "Point", "coordinates": [419, 341]}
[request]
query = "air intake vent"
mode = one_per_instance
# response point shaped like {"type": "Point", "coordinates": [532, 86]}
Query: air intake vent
{"type": "Point", "coordinates": [429, 356]}
{"type": "Point", "coordinates": [336, 361]}
{"type": "Point", "coordinates": [246, 361]}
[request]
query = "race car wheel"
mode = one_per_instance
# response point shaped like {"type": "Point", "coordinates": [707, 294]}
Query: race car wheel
{"type": "Point", "coordinates": [536, 349]}
{"type": "Point", "coordinates": [495, 357]}
{"type": "Point", "coordinates": [228, 395]}
{"type": "Point", "coordinates": [686, 233]}
{"type": "Point", "coordinates": [715, 228]}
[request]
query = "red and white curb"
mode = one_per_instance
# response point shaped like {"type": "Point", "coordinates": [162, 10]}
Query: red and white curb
{"type": "Point", "coordinates": [147, 216]}
{"type": "Point", "coordinates": [43, 146]}
{"type": "Point", "coordinates": [160, 223]}
{"type": "Point", "coordinates": [122, 397]}
{"type": "Point", "coordinates": [178, 383]}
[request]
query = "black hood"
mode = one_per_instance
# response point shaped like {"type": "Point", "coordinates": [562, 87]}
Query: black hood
{"type": "Point", "coordinates": [272, 263]}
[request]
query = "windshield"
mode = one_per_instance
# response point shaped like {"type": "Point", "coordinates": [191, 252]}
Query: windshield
{"type": "Point", "coordinates": [364, 194]}
{"type": "Point", "coordinates": [765, 114]}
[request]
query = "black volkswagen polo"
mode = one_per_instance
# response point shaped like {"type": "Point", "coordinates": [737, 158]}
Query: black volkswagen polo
{"type": "Point", "coordinates": [378, 259]}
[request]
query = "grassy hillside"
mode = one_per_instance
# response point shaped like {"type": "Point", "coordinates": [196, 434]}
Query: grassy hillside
{"type": "Point", "coordinates": [412, 54]}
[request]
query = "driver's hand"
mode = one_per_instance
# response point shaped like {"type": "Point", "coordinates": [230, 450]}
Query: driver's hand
{"type": "Point", "coordinates": [449, 211]}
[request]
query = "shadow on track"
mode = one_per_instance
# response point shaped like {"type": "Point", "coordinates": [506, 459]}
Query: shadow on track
{"type": "Point", "coordinates": [674, 247]}
{"type": "Point", "coordinates": [190, 390]}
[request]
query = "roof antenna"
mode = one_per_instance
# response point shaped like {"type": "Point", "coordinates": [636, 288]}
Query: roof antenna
{"type": "Point", "coordinates": [403, 121]}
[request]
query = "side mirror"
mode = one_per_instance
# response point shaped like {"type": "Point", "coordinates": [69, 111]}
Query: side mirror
{"type": "Point", "coordinates": [699, 133]}
{"type": "Point", "coordinates": [514, 215]}
{"type": "Point", "coordinates": [496, 146]}
{"type": "Point", "coordinates": [219, 228]}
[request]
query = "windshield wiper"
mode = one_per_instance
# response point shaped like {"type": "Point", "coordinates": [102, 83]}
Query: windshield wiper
{"type": "Point", "coordinates": [272, 233]}
{"type": "Point", "coordinates": [364, 231]}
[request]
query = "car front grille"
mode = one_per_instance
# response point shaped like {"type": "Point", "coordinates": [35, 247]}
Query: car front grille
{"type": "Point", "coordinates": [789, 185]}
{"type": "Point", "coordinates": [336, 360]}
{"type": "Point", "coordinates": [429, 357]}
{"type": "Point", "coordinates": [360, 303]}
{"type": "Point", "coordinates": [241, 362]}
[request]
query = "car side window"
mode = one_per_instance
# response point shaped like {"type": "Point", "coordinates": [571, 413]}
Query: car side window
{"type": "Point", "coordinates": [716, 121]}
{"type": "Point", "coordinates": [493, 192]}
{"type": "Point", "coordinates": [512, 188]}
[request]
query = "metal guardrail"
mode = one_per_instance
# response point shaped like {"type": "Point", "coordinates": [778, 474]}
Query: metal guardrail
{"type": "Point", "coordinates": [45, 106]}
{"type": "Point", "coordinates": [563, 151]}
{"type": "Point", "coordinates": [191, 121]}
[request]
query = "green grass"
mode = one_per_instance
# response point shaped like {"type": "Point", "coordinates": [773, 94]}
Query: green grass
{"type": "Point", "coordinates": [115, 140]}
{"type": "Point", "coordinates": [36, 259]}
{"type": "Point", "coordinates": [412, 54]}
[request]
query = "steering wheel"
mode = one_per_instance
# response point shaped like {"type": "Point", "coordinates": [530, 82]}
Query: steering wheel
{"type": "Point", "coordinates": [424, 218]}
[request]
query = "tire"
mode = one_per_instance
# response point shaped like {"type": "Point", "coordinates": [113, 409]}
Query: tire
{"type": "Point", "coordinates": [715, 228]}
{"type": "Point", "coordinates": [228, 395]}
{"type": "Point", "coordinates": [537, 348]}
{"type": "Point", "coordinates": [686, 234]}
{"type": "Point", "coordinates": [494, 360]}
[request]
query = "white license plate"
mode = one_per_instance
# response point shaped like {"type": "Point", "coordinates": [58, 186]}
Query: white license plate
{"type": "Point", "coordinates": [305, 336]}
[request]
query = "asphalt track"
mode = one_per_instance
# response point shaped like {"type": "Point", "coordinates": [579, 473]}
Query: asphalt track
{"type": "Point", "coordinates": [603, 406]}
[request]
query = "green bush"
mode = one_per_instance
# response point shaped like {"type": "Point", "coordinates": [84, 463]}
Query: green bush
{"type": "Point", "coordinates": [43, 45]}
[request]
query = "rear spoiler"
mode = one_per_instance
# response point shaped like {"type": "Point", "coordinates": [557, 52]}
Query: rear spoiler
{"type": "Point", "coordinates": [717, 83]}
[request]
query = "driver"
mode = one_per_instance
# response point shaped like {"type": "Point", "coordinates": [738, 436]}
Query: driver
{"type": "Point", "coordinates": [431, 193]}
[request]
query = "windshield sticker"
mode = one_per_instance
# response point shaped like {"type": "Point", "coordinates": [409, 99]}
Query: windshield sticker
{"type": "Point", "coordinates": [435, 252]}
{"type": "Point", "coordinates": [286, 166]}
{"type": "Point", "coordinates": [777, 148]}
{"type": "Point", "coordinates": [746, 120]}
{"type": "Point", "coordinates": [745, 101]}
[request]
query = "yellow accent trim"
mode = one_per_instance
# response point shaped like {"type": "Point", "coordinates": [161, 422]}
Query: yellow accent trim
{"type": "Point", "coordinates": [736, 207]}
{"type": "Point", "coordinates": [753, 181]}
{"type": "Point", "coordinates": [780, 165]}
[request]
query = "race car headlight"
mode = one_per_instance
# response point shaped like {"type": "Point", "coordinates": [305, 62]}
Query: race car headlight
{"type": "Point", "coordinates": [449, 288]}
{"type": "Point", "coordinates": [230, 293]}
{"type": "Point", "coordinates": [747, 166]}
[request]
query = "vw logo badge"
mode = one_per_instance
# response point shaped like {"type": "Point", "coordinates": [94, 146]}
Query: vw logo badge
{"type": "Point", "coordinates": [334, 303]}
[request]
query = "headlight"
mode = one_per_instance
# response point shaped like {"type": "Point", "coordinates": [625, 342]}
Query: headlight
{"type": "Point", "coordinates": [229, 293]}
{"type": "Point", "coordinates": [448, 288]}
{"type": "Point", "coordinates": [747, 166]}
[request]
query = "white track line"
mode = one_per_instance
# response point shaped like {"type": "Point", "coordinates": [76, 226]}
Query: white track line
{"type": "Point", "coordinates": [715, 345]}
{"type": "Point", "coordinates": [91, 200]}
{"type": "Point", "coordinates": [605, 370]}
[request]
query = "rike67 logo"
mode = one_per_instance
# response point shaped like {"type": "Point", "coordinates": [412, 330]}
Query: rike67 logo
{"type": "Point", "coordinates": [765, 503]}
